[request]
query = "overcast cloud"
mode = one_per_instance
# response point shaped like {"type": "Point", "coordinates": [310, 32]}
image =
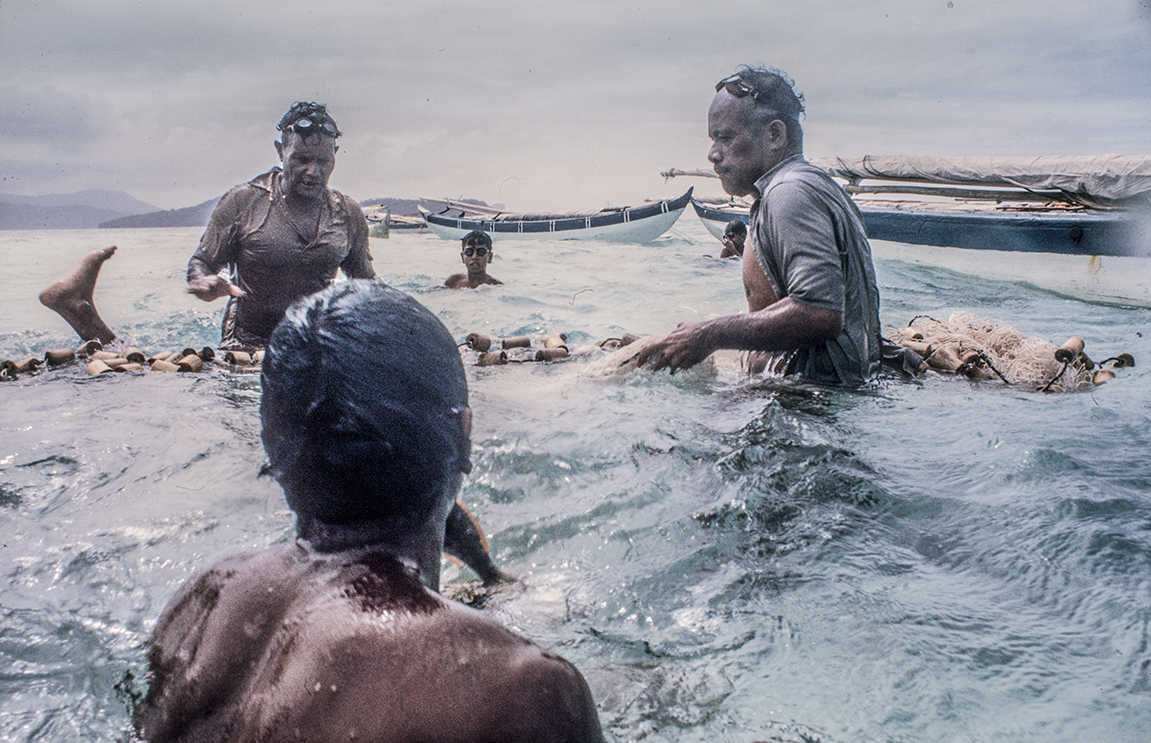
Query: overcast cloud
{"type": "Point", "coordinates": [577, 105]}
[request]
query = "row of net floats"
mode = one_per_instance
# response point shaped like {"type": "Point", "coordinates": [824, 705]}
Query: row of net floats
{"type": "Point", "coordinates": [1066, 368]}
{"type": "Point", "coordinates": [517, 349]}
{"type": "Point", "coordinates": [99, 361]}
{"type": "Point", "coordinates": [494, 351]}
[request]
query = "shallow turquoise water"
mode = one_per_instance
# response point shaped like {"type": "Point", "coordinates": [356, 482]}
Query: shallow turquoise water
{"type": "Point", "coordinates": [921, 561]}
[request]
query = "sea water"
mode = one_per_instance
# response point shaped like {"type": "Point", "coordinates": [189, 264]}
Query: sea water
{"type": "Point", "coordinates": [723, 560]}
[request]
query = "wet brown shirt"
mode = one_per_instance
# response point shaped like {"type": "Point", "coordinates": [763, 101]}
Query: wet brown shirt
{"type": "Point", "coordinates": [274, 260]}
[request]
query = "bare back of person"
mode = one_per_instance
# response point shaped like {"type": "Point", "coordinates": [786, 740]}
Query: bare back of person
{"type": "Point", "coordinates": [294, 644]}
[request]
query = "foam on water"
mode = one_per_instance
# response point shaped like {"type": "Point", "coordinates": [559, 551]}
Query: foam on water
{"type": "Point", "coordinates": [723, 560]}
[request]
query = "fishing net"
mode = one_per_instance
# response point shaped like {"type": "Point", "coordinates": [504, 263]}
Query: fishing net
{"type": "Point", "coordinates": [987, 349]}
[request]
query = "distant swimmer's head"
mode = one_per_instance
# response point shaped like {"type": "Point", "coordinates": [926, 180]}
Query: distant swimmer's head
{"type": "Point", "coordinates": [365, 407]}
{"type": "Point", "coordinates": [734, 236]}
{"type": "Point", "coordinates": [735, 229]}
{"type": "Point", "coordinates": [476, 250]}
{"type": "Point", "coordinates": [307, 149]}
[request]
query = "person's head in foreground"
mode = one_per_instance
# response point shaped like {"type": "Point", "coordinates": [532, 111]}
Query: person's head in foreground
{"type": "Point", "coordinates": [734, 235]}
{"type": "Point", "coordinates": [475, 253]}
{"type": "Point", "coordinates": [334, 636]}
{"type": "Point", "coordinates": [307, 148]}
{"type": "Point", "coordinates": [754, 124]}
{"type": "Point", "coordinates": [365, 417]}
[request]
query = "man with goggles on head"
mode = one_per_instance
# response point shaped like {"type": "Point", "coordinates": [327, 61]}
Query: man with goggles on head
{"type": "Point", "coordinates": [475, 254]}
{"type": "Point", "coordinates": [813, 304]}
{"type": "Point", "coordinates": [282, 235]}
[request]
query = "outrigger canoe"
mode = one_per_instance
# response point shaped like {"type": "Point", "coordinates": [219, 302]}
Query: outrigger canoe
{"type": "Point", "coordinates": [620, 224]}
{"type": "Point", "coordinates": [1075, 225]}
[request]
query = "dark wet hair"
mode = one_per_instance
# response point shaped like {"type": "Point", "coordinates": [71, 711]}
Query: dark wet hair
{"type": "Point", "coordinates": [735, 227]}
{"type": "Point", "coordinates": [315, 114]}
{"type": "Point", "coordinates": [363, 390]}
{"type": "Point", "coordinates": [476, 237]}
{"type": "Point", "coordinates": [776, 92]}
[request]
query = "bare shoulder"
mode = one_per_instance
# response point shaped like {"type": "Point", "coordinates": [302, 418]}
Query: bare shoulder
{"type": "Point", "coordinates": [203, 635]}
{"type": "Point", "coordinates": [204, 592]}
{"type": "Point", "coordinates": [456, 281]}
{"type": "Point", "coordinates": [461, 676]}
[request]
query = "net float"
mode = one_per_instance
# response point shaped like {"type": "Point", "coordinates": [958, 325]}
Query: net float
{"type": "Point", "coordinates": [97, 366]}
{"type": "Point", "coordinates": [552, 354]}
{"type": "Point", "coordinates": [478, 342]}
{"type": "Point", "coordinates": [492, 358]}
{"type": "Point", "coordinates": [29, 364]}
{"type": "Point", "coordinates": [1071, 348]}
{"type": "Point", "coordinates": [58, 356]}
{"type": "Point", "coordinates": [190, 362]}
{"type": "Point", "coordinates": [88, 347]}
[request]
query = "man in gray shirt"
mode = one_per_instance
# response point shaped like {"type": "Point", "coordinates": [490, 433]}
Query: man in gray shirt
{"type": "Point", "coordinates": [813, 305]}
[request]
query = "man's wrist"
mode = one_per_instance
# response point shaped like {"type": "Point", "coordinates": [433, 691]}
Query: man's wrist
{"type": "Point", "coordinates": [711, 334]}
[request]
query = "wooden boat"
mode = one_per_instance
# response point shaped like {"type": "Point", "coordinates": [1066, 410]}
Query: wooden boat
{"type": "Point", "coordinates": [1079, 226]}
{"type": "Point", "coordinates": [621, 224]}
{"type": "Point", "coordinates": [1034, 230]}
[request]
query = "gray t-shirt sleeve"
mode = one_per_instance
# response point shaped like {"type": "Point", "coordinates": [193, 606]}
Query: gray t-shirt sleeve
{"type": "Point", "coordinates": [800, 228]}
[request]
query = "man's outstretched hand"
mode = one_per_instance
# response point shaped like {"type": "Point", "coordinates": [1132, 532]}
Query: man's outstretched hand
{"type": "Point", "coordinates": [212, 287]}
{"type": "Point", "coordinates": [683, 348]}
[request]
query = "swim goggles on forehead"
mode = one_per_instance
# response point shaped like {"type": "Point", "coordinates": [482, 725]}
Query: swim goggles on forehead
{"type": "Point", "coordinates": [480, 250]}
{"type": "Point", "coordinates": [308, 118]}
{"type": "Point", "coordinates": [735, 85]}
{"type": "Point", "coordinates": [738, 88]}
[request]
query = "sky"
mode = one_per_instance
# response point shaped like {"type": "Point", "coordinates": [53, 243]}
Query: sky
{"type": "Point", "coordinates": [542, 105]}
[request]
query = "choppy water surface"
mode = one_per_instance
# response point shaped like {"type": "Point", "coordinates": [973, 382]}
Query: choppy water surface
{"type": "Point", "coordinates": [922, 561]}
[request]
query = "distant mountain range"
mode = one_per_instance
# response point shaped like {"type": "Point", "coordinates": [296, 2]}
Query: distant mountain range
{"type": "Point", "coordinates": [117, 209]}
{"type": "Point", "coordinates": [189, 216]}
{"type": "Point", "coordinates": [67, 210]}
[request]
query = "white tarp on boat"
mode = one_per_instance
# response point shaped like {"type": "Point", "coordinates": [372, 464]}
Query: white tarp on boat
{"type": "Point", "coordinates": [1098, 180]}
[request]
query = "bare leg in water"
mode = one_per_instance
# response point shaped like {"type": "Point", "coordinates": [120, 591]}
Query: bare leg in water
{"type": "Point", "coordinates": [71, 297]}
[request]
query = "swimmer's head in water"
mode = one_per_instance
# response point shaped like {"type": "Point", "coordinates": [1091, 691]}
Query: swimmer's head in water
{"type": "Point", "coordinates": [476, 250]}
{"type": "Point", "coordinates": [475, 239]}
{"type": "Point", "coordinates": [735, 228]}
{"type": "Point", "coordinates": [364, 407]}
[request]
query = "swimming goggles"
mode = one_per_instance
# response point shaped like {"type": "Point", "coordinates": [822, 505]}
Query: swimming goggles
{"type": "Point", "coordinates": [481, 251]}
{"type": "Point", "coordinates": [738, 88]}
{"type": "Point", "coordinates": [305, 117]}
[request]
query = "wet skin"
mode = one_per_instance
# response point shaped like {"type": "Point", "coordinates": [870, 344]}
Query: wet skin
{"type": "Point", "coordinates": [740, 154]}
{"type": "Point", "coordinates": [294, 644]}
{"type": "Point", "coordinates": [71, 297]}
